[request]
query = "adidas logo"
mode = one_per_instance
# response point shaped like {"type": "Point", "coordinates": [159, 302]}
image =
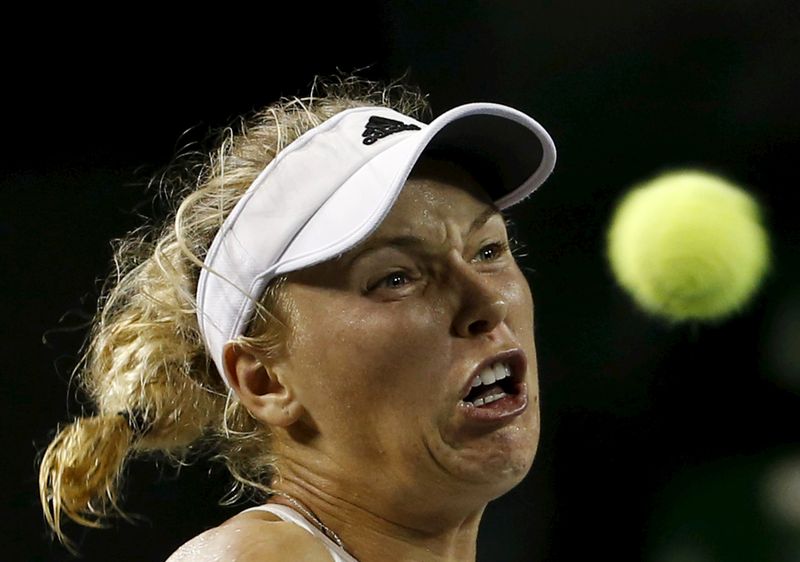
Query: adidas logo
{"type": "Point", "coordinates": [379, 127]}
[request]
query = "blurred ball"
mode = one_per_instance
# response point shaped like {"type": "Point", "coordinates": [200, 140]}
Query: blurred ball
{"type": "Point", "coordinates": [688, 245]}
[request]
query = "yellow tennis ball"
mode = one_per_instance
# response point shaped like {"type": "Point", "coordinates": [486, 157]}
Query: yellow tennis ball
{"type": "Point", "coordinates": [688, 246]}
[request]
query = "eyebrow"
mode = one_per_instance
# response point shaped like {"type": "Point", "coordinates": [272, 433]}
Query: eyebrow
{"type": "Point", "coordinates": [409, 241]}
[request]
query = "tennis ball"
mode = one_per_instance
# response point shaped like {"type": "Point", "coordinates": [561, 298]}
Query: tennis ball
{"type": "Point", "coordinates": [688, 245]}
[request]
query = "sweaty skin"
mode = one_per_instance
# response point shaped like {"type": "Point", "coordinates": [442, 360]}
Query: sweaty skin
{"type": "Point", "coordinates": [364, 407]}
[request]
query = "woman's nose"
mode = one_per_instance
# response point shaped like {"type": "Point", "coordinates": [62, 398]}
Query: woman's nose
{"type": "Point", "coordinates": [480, 305]}
{"type": "Point", "coordinates": [482, 320]}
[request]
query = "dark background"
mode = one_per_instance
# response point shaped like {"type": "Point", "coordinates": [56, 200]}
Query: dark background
{"type": "Point", "coordinates": [658, 444]}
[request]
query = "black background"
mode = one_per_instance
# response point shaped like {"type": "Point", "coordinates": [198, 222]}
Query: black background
{"type": "Point", "coordinates": [656, 442]}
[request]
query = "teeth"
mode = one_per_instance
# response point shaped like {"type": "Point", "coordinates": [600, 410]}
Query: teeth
{"type": "Point", "coordinates": [501, 371]}
{"type": "Point", "coordinates": [492, 374]}
{"type": "Point", "coordinates": [489, 399]}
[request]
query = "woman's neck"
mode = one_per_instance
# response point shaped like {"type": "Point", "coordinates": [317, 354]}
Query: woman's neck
{"type": "Point", "coordinates": [369, 536]}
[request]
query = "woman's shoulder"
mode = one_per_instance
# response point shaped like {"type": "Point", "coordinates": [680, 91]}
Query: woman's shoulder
{"type": "Point", "coordinates": [253, 536]}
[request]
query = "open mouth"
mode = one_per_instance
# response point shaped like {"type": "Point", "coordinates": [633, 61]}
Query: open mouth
{"type": "Point", "coordinates": [497, 389]}
{"type": "Point", "coordinates": [492, 384]}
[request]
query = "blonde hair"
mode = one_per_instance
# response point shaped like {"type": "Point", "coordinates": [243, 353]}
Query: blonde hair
{"type": "Point", "coordinates": [144, 368]}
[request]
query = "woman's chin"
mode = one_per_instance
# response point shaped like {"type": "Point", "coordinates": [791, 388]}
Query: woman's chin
{"type": "Point", "coordinates": [499, 461]}
{"type": "Point", "coordinates": [482, 486]}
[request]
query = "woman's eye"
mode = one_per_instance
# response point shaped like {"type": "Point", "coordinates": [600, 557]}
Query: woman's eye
{"type": "Point", "coordinates": [392, 281]}
{"type": "Point", "coordinates": [398, 279]}
{"type": "Point", "coordinates": [493, 251]}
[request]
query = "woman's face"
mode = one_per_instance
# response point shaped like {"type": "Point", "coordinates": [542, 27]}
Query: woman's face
{"type": "Point", "coordinates": [386, 337]}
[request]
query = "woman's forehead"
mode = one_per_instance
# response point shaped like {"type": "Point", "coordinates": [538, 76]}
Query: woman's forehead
{"type": "Point", "coordinates": [436, 191]}
{"type": "Point", "coordinates": [436, 194]}
{"type": "Point", "coordinates": [431, 211]}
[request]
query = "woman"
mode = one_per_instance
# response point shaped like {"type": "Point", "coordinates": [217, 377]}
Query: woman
{"type": "Point", "coordinates": [335, 311]}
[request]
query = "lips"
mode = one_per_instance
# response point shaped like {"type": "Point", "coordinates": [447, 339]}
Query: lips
{"type": "Point", "coordinates": [490, 417]}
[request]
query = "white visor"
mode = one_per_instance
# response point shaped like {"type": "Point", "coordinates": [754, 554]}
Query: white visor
{"type": "Point", "coordinates": [333, 186]}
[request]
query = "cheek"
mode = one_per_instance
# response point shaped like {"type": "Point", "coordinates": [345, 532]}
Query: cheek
{"type": "Point", "coordinates": [517, 293]}
{"type": "Point", "coordinates": [358, 345]}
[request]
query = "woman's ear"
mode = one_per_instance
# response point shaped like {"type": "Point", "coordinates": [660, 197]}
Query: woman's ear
{"type": "Point", "coordinates": [260, 387]}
